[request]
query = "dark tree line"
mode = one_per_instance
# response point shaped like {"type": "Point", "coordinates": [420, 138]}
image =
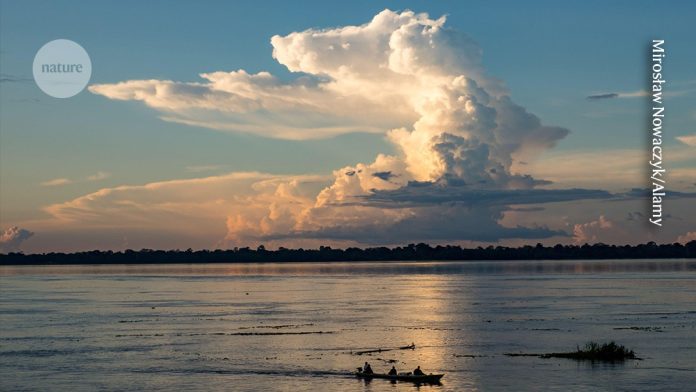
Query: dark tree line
{"type": "Point", "coordinates": [420, 251]}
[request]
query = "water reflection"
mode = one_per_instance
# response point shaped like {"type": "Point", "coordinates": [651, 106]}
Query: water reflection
{"type": "Point", "coordinates": [353, 268]}
{"type": "Point", "coordinates": [299, 326]}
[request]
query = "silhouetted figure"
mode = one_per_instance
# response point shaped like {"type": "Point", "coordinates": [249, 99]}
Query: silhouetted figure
{"type": "Point", "coordinates": [367, 369]}
{"type": "Point", "coordinates": [392, 372]}
{"type": "Point", "coordinates": [418, 372]}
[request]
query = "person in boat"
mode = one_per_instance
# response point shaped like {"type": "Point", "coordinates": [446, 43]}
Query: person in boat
{"type": "Point", "coordinates": [392, 372]}
{"type": "Point", "coordinates": [367, 369]}
{"type": "Point", "coordinates": [418, 372]}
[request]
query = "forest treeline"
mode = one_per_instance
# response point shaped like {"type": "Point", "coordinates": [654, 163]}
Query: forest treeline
{"type": "Point", "coordinates": [410, 252]}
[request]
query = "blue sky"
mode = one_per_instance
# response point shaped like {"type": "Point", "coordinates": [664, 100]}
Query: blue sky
{"type": "Point", "coordinates": [550, 56]}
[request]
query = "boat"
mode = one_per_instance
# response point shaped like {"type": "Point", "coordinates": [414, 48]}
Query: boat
{"type": "Point", "coordinates": [418, 379]}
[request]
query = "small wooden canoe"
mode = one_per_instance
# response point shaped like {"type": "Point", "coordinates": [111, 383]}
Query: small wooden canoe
{"type": "Point", "coordinates": [421, 379]}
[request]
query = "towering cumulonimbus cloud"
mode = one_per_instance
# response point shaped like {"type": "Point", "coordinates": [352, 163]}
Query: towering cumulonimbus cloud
{"type": "Point", "coordinates": [467, 128]}
{"type": "Point", "coordinates": [403, 74]}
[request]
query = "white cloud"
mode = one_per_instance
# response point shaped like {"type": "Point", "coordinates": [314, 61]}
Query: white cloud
{"type": "Point", "coordinates": [639, 94]}
{"type": "Point", "coordinates": [171, 202]}
{"type": "Point", "coordinates": [459, 137]}
{"type": "Point", "coordinates": [248, 208]}
{"type": "Point", "coordinates": [593, 231]}
{"type": "Point", "coordinates": [57, 182]}
{"type": "Point", "coordinates": [687, 237]}
{"type": "Point", "coordinates": [401, 73]}
{"type": "Point", "coordinates": [306, 108]}
{"type": "Point", "coordinates": [633, 94]}
{"type": "Point", "coordinates": [202, 168]}
{"type": "Point", "coordinates": [100, 175]}
{"type": "Point", "coordinates": [689, 140]}
{"type": "Point", "coordinates": [12, 238]}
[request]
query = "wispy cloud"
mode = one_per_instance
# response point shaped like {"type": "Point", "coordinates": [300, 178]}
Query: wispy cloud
{"type": "Point", "coordinates": [633, 94]}
{"type": "Point", "coordinates": [202, 168]}
{"type": "Point", "coordinates": [602, 96]}
{"type": "Point", "coordinates": [613, 169]}
{"type": "Point", "coordinates": [57, 182]}
{"type": "Point", "coordinates": [689, 140]}
{"type": "Point", "coordinates": [98, 176]}
{"type": "Point", "coordinates": [677, 89]}
{"type": "Point", "coordinates": [7, 78]}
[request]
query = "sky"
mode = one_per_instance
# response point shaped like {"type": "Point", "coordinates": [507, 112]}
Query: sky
{"type": "Point", "coordinates": [219, 124]}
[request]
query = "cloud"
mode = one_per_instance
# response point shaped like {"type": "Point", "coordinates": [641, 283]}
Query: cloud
{"type": "Point", "coordinates": [602, 96]}
{"type": "Point", "coordinates": [246, 208]}
{"type": "Point", "coordinates": [592, 231]}
{"type": "Point", "coordinates": [687, 237]}
{"type": "Point", "coordinates": [416, 193]}
{"type": "Point", "coordinates": [57, 182]}
{"type": "Point", "coordinates": [249, 207]}
{"type": "Point", "coordinates": [261, 104]}
{"type": "Point", "coordinates": [163, 203]}
{"type": "Point", "coordinates": [449, 223]}
{"type": "Point", "coordinates": [643, 93]}
{"type": "Point", "coordinates": [369, 78]}
{"type": "Point", "coordinates": [646, 193]}
{"type": "Point", "coordinates": [633, 94]}
{"type": "Point", "coordinates": [12, 238]}
{"type": "Point", "coordinates": [635, 216]}
{"type": "Point", "coordinates": [202, 168]}
{"type": "Point", "coordinates": [437, 212]}
{"type": "Point", "coordinates": [403, 74]}
{"type": "Point", "coordinates": [459, 140]}
{"type": "Point", "coordinates": [613, 169]}
{"type": "Point", "coordinates": [100, 175]}
{"type": "Point", "coordinates": [7, 78]}
{"type": "Point", "coordinates": [384, 176]}
{"type": "Point", "coordinates": [689, 140]}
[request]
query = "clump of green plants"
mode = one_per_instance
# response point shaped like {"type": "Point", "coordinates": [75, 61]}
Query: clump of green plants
{"type": "Point", "coordinates": [597, 352]}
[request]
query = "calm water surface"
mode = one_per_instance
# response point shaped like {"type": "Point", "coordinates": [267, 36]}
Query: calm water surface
{"type": "Point", "coordinates": [297, 327]}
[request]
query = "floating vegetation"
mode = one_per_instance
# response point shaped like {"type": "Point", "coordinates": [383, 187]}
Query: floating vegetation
{"type": "Point", "coordinates": [412, 346]}
{"type": "Point", "coordinates": [648, 329]}
{"type": "Point", "coordinates": [279, 333]}
{"type": "Point", "coordinates": [591, 352]}
{"type": "Point", "coordinates": [232, 334]}
{"type": "Point", "coordinates": [279, 326]}
{"type": "Point", "coordinates": [596, 352]}
{"type": "Point", "coordinates": [133, 321]}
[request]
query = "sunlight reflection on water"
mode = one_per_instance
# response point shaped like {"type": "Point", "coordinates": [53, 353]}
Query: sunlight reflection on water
{"type": "Point", "coordinates": [352, 268]}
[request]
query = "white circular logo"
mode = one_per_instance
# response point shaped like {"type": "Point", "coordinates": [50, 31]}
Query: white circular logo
{"type": "Point", "coordinates": [62, 68]}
